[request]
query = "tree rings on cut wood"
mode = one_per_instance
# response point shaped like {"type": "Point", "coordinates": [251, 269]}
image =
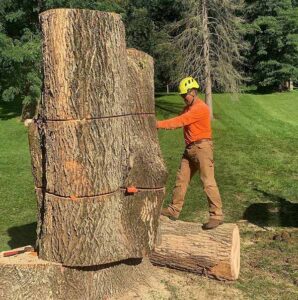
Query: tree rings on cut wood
{"type": "Point", "coordinates": [185, 246]}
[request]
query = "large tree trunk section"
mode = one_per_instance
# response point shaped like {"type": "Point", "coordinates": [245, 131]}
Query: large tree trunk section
{"type": "Point", "coordinates": [97, 137]}
{"type": "Point", "coordinates": [85, 64]}
{"type": "Point", "coordinates": [144, 166]}
{"type": "Point", "coordinates": [112, 227]}
{"type": "Point", "coordinates": [140, 81]}
{"type": "Point", "coordinates": [185, 246]}
{"type": "Point", "coordinates": [25, 276]}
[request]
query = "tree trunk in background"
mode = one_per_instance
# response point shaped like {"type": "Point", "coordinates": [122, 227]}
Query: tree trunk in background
{"type": "Point", "coordinates": [99, 137]}
{"type": "Point", "coordinates": [185, 246]}
{"type": "Point", "coordinates": [206, 54]}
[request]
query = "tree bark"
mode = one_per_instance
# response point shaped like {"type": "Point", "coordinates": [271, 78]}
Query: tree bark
{"type": "Point", "coordinates": [206, 54]}
{"type": "Point", "coordinates": [25, 276]}
{"type": "Point", "coordinates": [96, 137]}
{"type": "Point", "coordinates": [185, 246]}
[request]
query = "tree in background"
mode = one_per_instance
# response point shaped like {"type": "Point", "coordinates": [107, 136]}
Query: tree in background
{"type": "Point", "coordinates": [20, 47]}
{"type": "Point", "coordinates": [209, 37]}
{"type": "Point", "coordinates": [272, 31]}
{"type": "Point", "coordinates": [19, 52]}
{"type": "Point", "coordinates": [20, 41]}
{"type": "Point", "coordinates": [146, 23]}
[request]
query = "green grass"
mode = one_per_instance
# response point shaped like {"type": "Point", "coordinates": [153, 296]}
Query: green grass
{"type": "Point", "coordinates": [256, 161]}
{"type": "Point", "coordinates": [255, 146]}
{"type": "Point", "coordinates": [17, 199]}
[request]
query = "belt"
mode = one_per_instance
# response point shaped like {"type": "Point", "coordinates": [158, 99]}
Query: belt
{"type": "Point", "coordinates": [197, 142]}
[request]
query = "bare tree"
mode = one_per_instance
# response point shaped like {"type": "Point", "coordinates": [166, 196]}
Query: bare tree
{"type": "Point", "coordinates": [209, 37]}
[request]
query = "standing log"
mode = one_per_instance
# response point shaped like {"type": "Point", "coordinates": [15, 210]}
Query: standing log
{"type": "Point", "coordinates": [144, 166]}
{"type": "Point", "coordinates": [112, 226]}
{"type": "Point", "coordinates": [99, 138]}
{"type": "Point", "coordinates": [185, 246]}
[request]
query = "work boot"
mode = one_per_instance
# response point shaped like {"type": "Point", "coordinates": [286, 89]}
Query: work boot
{"type": "Point", "coordinates": [166, 212]}
{"type": "Point", "coordinates": [212, 223]}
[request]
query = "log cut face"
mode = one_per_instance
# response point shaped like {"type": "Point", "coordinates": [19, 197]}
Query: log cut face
{"type": "Point", "coordinates": [185, 246]}
{"type": "Point", "coordinates": [98, 138]}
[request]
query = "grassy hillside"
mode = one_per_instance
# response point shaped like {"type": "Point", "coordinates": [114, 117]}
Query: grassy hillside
{"type": "Point", "coordinates": [256, 142]}
{"type": "Point", "coordinates": [256, 139]}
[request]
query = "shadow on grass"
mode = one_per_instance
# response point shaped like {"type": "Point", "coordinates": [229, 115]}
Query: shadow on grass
{"type": "Point", "coordinates": [22, 235]}
{"type": "Point", "coordinates": [280, 212]}
{"type": "Point", "coordinates": [169, 107]}
{"type": "Point", "coordinates": [9, 110]}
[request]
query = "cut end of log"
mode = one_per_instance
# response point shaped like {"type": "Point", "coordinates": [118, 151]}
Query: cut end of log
{"type": "Point", "coordinates": [235, 253]}
{"type": "Point", "coordinates": [231, 270]}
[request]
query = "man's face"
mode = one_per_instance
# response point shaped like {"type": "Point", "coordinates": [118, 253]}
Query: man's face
{"type": "Point", "coordinates": [188, 98]}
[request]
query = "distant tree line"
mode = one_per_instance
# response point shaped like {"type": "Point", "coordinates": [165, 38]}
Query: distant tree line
{"type": "Point", "coordinates": [250, 42]}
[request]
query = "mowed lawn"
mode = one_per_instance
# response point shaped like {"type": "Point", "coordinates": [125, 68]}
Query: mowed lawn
{"type": "Point", "coordinates": [256, 153]}
{"type": "Point", "coordinates": [256, 161]}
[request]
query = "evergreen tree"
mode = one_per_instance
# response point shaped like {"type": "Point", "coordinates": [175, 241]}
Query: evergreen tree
{"type": "Point", "coordinates": [146, 28]}
{"type": "Point", "coordinates": [210, 39]}
{"type": "Point", "coordinates": [272, 31]}
{"type": "Point", "coordinates": [20, 45]}
{"type": "Point", "coordinates": [19, 51]}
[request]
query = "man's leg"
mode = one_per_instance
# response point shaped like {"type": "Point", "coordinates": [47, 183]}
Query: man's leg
{"type": "Point", "coordinates": [183, 177]}
{"type": "Point", "coordinates": [205, 156]}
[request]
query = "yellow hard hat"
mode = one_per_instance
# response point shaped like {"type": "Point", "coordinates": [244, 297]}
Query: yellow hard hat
{"type": "Point", "coordinates": [187, 84]}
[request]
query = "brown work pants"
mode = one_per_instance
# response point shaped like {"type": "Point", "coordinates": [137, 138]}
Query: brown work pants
{"type": "Point", "coordinates": [198, 156]}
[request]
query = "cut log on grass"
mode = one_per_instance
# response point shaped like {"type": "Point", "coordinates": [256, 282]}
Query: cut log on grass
{"type": "Point", "coordinates": [185, 246]}
{"type": "Point", "coordinates": [25, 276]}
{"type": "Point", "coordinates": [97, 126]}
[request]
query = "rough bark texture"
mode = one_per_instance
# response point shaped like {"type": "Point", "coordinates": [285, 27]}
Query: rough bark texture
{"type": "Point", "coordinates": [140, 81]}
{"type": "Point", "coordinates": [25, 277]}
{"type": "Point", "coordinates": [112, 227]}
{"type": "Point", "coordinates": [36, 154]}
{"type": "Point", "coordinates": [206, 53]}
{"type": "Point", "coordinates": [185, 246]}
{"type": "Point", "coordinates": [85, 65]}
{"type": "Point", "coordinates": [96, 136]}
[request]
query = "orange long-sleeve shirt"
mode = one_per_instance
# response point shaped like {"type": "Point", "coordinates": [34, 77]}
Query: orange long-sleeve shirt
{"type": "Point", "coordinates": [195, 120]}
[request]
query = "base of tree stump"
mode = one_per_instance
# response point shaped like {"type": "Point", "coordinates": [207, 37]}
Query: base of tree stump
{"type": "Point", "coordinates": [25, 276]}
{"type": "Point", "coordinates": [185, 246]}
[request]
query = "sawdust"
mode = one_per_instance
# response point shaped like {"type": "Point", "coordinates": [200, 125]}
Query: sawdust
{"type": "Point", "coordinates": [168, 284]}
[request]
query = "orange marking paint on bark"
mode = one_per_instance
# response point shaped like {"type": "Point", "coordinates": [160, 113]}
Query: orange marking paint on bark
{"type": "Point", "coordinates": [73, 197]}
{"type": "Point", "coordinates": [131, 190]}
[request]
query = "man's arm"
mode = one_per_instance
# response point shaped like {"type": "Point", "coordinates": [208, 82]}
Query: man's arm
{"type": "Point", "coordinates": [180, 121]}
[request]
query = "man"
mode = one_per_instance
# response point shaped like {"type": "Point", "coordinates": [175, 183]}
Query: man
{"type": "Point", "coordinates": [198, 154]}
